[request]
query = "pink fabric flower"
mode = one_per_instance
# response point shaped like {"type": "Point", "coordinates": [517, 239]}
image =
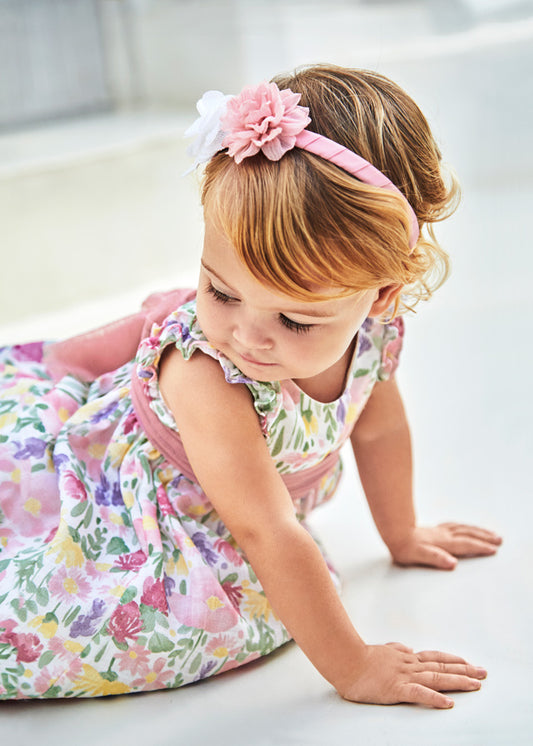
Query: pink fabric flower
{"type": "Point", "coordinates": [263, 118]}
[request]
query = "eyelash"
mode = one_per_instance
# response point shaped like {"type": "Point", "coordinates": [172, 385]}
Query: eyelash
{"type": "Point", "coordinates": [293, 326]}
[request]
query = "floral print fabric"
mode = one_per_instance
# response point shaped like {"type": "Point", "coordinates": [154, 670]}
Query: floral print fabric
{"type": "Point", "coordinates": [116, 573]}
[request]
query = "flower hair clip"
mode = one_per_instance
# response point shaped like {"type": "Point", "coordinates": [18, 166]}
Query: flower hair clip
{"type": "Point", "coordinates": [266, 119]}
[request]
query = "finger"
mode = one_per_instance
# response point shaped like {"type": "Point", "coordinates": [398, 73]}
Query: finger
{"type": "Point", "coordinates": [439, 656]}
{"type": "Point", "coordinates": [458, 669]}
{"type": "Point", "coordinates": [474, 531]}
{"type": "Point", "coordinates": [462, 546]}
{"type": "Point", "coordinates": [433, 556]}
{"type": "Point", "coordinates": [417, 694]}
{"type": "Point", "coordinates": [448, 682]}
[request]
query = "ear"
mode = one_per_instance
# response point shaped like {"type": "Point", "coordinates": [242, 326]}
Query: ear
{"type": "Point", "coordinates": [385, 299]}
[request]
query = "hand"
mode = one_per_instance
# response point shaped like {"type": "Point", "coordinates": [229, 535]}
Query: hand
{"type": "Point", "coordinates": [439, 546]}
{"type": "Point", "coordinates": [390, 674]}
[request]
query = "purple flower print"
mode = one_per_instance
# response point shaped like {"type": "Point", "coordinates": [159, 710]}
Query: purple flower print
{"type": "Point", "coordinates": [105, 494]}
{"type": "Point", "coordinates": [185, 333]}
{"type": "Point", "coordinates": [364, 343]}
{"type": "Point", "coordinates": [341, 411]}
{"type": "Point", "coordinates": [32, 447]}
{"type": "Point", "coordinates": [105, 412]}
{"type": "Point", "coordinates": [205, 670]}
{"type": "Point", "coordinates": [86, 624]}
{"type": "Point", "coordinates": [204, 548]}
{"type": "Point", "coordinates": [169, 585]}
{"type": "Point", "coordinates": [59, 459]}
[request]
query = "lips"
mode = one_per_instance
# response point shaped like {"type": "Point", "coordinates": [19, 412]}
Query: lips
{"type": "Point", "coordinates": [252, 361]}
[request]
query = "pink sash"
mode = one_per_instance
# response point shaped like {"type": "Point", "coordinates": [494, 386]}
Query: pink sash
{"type": "Point", "coordinates": [168, 442]}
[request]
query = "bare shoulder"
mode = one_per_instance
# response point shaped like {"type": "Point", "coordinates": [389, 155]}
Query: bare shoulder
{"type": "Point", "coordinates": [222, 437]}
{"type": "Point", "coordinates": [198, 382]}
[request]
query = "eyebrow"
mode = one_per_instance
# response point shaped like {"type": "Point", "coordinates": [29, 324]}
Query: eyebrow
{"type": "Point", "coordinates": [297, 311]}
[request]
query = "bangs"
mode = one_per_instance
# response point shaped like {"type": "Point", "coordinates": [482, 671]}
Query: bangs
{"type": "Point", "coordinates": [284, 221]}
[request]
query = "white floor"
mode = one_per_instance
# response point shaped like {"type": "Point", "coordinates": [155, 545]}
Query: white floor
{"type": "Point", "coordinates": [466, 376]}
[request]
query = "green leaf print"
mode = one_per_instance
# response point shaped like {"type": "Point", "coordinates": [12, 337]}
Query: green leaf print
{"type": "Point", "coordinates": [46, 658]}
{"type": "Point", "coordinates": [278, 445]}
{"type": "Point", "coordinates": [71, 615]}
{"type": "Point", "coordinates": [195, 665]}
{"type": "Point", "coordinates": [117, 546]}
{"type": "Point", "coordinates": [360, 372]}
{"type": "Point", "coordinates": [78, 509]}
{"type": "Point", "coordinates": [128, 595]}
{"type": "Point", "coordinates": [158, 643]}
{"type": "Point", "coordinates": [4, 564]}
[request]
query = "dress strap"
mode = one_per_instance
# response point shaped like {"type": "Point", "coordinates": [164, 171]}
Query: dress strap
{"type": "Point", "coordinates": [170, 445]}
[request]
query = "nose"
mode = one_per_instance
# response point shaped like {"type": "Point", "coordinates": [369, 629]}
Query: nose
{"type": "Point", "coordinates": [250, 334]}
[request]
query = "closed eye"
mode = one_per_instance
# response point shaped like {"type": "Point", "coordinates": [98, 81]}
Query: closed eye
{"type": "Point", "coordinates": [219, 295]}
{"type": "Point", "coordinates": [294, 326]}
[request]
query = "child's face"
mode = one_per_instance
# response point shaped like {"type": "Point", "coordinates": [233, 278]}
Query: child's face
{"type": "Point", "coordinates": [267, 335]}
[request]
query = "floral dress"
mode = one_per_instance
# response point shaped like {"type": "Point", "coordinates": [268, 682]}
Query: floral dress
{"type": "Point", "coordinates": [116, 573]}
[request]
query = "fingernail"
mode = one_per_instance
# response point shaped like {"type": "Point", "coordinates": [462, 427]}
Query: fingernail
{"type": "Point", "coordinates": [449, 703]}
{"type": "Point", "coordinates": [481, 671]}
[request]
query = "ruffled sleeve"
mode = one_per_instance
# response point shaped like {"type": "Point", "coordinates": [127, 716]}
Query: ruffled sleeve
{"type": "Point", "coordinates": [393, 334]}
{"type": "Point", "coordinates": [181, 329]}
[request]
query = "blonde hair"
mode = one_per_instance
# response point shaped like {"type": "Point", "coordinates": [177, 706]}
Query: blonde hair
{"type": "Point", "coordinates": [301, 224]}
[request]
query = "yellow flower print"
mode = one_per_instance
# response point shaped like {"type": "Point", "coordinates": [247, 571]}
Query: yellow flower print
{"type": "Point", "coordinates": [32, 506]}
{"type": "Point", "coordinates": [47, 625]}
{"type": "Point", "coordinates": [95, 685]}
{"type": "Point", "coordinates": [311, 424]}
{"type": "Point", "coordinates": [97, 450]}
{"type": "Point", "coordinates": [256, 603]}
{"type": "Point", "coordinates": [7, 419]}
{"type": "Point", "coordinates": [67, 551]}
{"type": "Point", "coordinates": [351, 414]}
{"type": "Point", "coordinates": [117, 451]}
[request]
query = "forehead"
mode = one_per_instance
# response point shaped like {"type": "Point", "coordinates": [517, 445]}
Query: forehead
{"type": "Point", "coordinates": [221, 262]}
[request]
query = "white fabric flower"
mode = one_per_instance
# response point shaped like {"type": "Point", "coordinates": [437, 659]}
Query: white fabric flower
{"type": "Point", "coordinates": [206, 129]}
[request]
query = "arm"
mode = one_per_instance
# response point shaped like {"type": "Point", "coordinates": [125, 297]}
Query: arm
{"type": "Point", "coordinates": [231, 461]}
{"type": "Point", "coordinates": [382, 447]}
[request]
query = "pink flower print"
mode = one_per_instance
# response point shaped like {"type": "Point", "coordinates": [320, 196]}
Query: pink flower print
{"type": "Point", "coordinates": [132, 561]}
{"type": "Point", "coordinates": [8, 625]}
{"type": "Point", "coordinates": [232, 663]}
{"type": "Point", "coordinates": [31, 352]}
{"type": "Point", "coordinates": [30, 501]}
{"type": "Point", "coordinates": [60, 407]}
{"type": "Point", "coordinates": [69, 584]}
{"type": "Point", "coordinates": [135, 660]}
{"type": "Point", "coordinates": [154, 594]}
{"type": "Point", "coordinates": [156, 678]}
{"type": "Point", "coordinates": [164, 503]}
{"type": "Point", "coordinates": [224, 548]}
{"type": "Point", "coordinates": [125, 622]}
{"type": "Point", "coordinates": [28, 646]}
{"type": "Point", "coordinates": [205, 606]}
{"type": "Point", "coordinates": [130, 423]}
{"type": "Point", "coordinates": [391, 351]}
{"type": "Point", "coordinates": [67, 650]}
{"type": "Point", "coordinates": [73, 486]}
{"type": "Point", "coordinates": [234, 593]}
{"type": "Point", "coordinates": [389, 358]}
{"type": "Point", "coordinates": [263, 118]}
{"type": "Point", "coordinates": [222, 646]}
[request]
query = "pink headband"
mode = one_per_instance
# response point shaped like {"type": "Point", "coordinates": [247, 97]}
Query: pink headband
{"type": "Point", "coordinates": [263, 118]}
